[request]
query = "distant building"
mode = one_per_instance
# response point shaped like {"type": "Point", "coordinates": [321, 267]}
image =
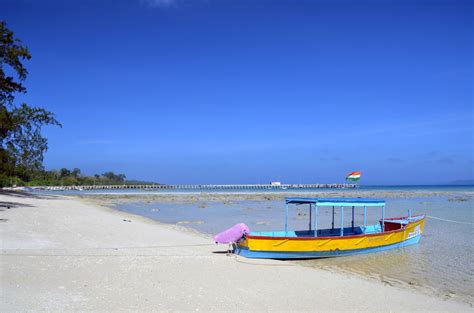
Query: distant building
{"type": "Point", "coordinates": [275, 183]}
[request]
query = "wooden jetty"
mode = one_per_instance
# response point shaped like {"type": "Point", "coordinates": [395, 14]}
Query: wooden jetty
{"type": "Point", "coordinates": [261, 187]}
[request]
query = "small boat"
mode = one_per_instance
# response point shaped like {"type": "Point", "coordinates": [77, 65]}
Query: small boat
{"type": "Point", "coordinates": [389, 233]}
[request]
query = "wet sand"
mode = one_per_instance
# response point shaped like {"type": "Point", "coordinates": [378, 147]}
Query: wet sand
{"type": "Point", "coordinates": [64, 254]}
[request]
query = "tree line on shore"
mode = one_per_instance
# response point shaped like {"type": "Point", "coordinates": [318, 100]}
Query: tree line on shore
{"type": "Point", "coordinates": [22, 145]}
{"type": "Point", "coordinates": [73, 177]}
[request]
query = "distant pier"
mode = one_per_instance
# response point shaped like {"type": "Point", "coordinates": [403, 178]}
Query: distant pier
{"type": "Point", "coordinates": [261, 187]}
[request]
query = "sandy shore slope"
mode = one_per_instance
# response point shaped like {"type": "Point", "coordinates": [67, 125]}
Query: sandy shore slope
{"type": "Point", "coordinates": [61, 254]}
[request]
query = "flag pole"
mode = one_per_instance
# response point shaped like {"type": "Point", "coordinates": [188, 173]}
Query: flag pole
{"type": "Point", "coordinates": [354, 177]}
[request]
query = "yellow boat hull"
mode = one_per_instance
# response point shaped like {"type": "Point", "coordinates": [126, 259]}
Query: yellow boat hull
{"type": "Point", "coordinates": [329, 246]}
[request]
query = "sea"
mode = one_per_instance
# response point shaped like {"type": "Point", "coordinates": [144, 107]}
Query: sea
{"type": "Point", "coordinates": [442, 264]}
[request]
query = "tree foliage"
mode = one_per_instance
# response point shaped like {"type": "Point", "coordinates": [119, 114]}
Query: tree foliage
{"type": "Point", "coordinates": [22, 146]}
{"type": "Point", "coordinates": [114, 177]}
{"type": "Point", "coordinates": [12, 53]}
{"type": "Point", "coordinates": [67, 177]}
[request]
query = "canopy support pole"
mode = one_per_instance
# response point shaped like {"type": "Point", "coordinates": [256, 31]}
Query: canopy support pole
{"type": "Point", "coordinates": [365, 217]}
{"type": "Point", "coordinates": [352, 219]}
{"type": "Point", "coordinates": [286, 218]}
{"type": "Point", "coordinates": [383, 218]}
{"type": "Point", "coordinates": [342, 221]}
{"type": "Point", "coordinates": [316, 221]}
{"type": "Point", "coordinates": [332, 218]}
{"type": "Point", "coordinates": [310, 209]}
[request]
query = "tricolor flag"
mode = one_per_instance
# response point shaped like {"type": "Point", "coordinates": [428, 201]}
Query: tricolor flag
{"type": "Point", "coordinates": [353, 176]}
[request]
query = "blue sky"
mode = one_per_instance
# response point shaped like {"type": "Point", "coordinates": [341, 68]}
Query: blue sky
{"type": "Point", "coordinates": [251, 91]}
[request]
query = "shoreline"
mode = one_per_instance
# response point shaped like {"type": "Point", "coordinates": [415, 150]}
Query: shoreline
{"type": "Point", "coordinates": [109, 201]}
{"type": "Point", "coordinates": [84, 256]}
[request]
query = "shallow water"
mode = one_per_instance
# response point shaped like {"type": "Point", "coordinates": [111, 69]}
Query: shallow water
{"type": "Point", "coordinates": [442, 263]}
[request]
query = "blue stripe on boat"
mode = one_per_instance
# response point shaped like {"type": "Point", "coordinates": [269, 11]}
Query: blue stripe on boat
{"type": "Point", "coordinates": [320, 254]}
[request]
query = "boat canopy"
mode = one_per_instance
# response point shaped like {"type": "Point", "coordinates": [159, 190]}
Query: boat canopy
{"type": "Point", "coordinates": [339, 202]}
{"type": "Point", "coordinates": [335, 202]}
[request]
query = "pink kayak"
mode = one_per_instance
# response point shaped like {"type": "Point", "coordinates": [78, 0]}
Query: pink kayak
{"type": "Point", "coordinates": [233, 234]}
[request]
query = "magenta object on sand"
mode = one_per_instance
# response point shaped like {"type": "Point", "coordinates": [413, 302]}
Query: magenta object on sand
{"type": "Point", "coordinates": [232, 234]}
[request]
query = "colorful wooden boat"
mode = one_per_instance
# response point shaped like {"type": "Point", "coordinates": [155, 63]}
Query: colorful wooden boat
{"type": "Point", "coordinates": [389, 233]}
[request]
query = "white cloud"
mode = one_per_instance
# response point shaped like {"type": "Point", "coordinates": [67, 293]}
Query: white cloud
{"type": "Point", "coordinates": [160, 3]}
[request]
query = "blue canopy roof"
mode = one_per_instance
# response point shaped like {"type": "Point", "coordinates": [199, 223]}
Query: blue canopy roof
{"type": "Point", "coordinates": [337, 201]}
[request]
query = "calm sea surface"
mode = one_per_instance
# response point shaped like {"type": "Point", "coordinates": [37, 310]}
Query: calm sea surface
{"type": "Point", "coordinates": [442, 263]}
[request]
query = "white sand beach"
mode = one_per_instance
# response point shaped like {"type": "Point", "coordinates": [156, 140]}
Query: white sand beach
{"type": "Point", "coordinates": [64, 254]}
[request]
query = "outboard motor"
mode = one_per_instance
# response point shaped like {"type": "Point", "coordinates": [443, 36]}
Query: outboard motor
{"type": "Point", "coordinates": [233, 234]}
